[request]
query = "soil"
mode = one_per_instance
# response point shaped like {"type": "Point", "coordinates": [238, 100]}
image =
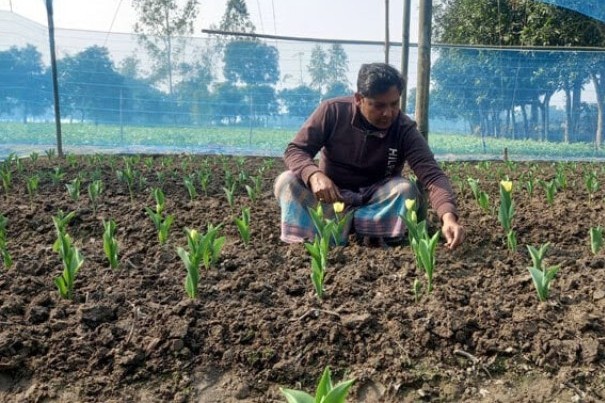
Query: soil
{"type": "Point", "coordinates": [132, 334]}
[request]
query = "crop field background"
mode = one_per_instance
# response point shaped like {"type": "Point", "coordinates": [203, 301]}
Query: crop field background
{"type": "Point", "coordinates": [88, 138]}
{"type": "Point", "coordinates": [133, 333]}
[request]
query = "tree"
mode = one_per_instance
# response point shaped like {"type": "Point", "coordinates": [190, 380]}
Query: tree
{"type": "Point", "coordinates": [251, 62]}
{"type": "Point", "coordinates": [262, 102]}
{"type": "Point", "coordinates": [300, 101]}
{"type": "Point", "coordinates": [91, 85]}
{"type": "Point", "coordinates": [517, 23]}
{"type": "Point", "coordinates": [194, 92]}
{"type": "Point", "coordinates": [337, 89]}
{"type": "Point", "coordinates": [328, 70]}
{"type": "Point", "coordinates": [318, 68]}
{"type": "Point", "coordinates": [338, 66]}
{"type": "Point", "coordinates": [160, 22]}
{"type": "Point", "coordinates": [25, 82]}
{"type": "Point", "coordinates": [236, 18]}
{"type": "Point", "coordinates": [227, 102]}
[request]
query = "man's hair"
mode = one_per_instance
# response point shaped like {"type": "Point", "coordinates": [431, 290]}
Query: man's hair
{"type": "Point", "coordinates": [377, 78]}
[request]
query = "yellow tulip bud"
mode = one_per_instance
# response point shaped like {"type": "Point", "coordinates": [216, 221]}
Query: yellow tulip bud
{"type": "Point", "coordinates": [338, 207]}
{"type": "Point", "coordinates": [507, 186]}
{"type": "Point", "coordinates": [409, 204]}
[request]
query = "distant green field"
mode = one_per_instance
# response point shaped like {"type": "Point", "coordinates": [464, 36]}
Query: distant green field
{"type": "Point", "coordinates": [24, 138]}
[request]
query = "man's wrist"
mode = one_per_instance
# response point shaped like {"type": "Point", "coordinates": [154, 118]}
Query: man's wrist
{"type": "Point", "coordinates": [449, 218]}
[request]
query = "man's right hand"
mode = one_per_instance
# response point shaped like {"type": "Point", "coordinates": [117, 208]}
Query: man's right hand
{"type": "Point", "coordinates": [323, 188]}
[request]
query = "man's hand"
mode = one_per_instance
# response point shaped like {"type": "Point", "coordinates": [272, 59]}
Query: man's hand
{"type": "Point", "coordinates": [323, 188]}
{"type": "Point", "coordinates": [452, 231]}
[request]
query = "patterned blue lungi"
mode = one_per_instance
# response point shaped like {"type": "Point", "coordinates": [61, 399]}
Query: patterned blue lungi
{"type": "Point", "coordinates": [377, 209]}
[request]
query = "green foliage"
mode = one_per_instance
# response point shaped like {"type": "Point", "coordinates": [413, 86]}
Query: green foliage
{"type": "Point", "coordinates": [110, 243]}
{"type": "Point", "coordinates": [94, 191]}
{"type": "Point", "coordinates": [192, 258]}
{"type": "Point", "coordinates": [32, 187]}
{"type": "Point", "coordinates": [550, 190]}
{"type": "Point", "coordinates": [6, 175]}
{"type": "Point", "coordinates": [128, 175]}
{"type": "Point", "coordinates": [326, 391]}
{"type": "Point", "coordinates": [70, 255]}
{"type": "Point", "coordinates": [541, 276]}
{"type": "Point", "coordinates": [57, 175]}
{"type": "Point", "coordinates": [211, 245]}
{"type": "Point", "coordinates": [243, 225]}
{"type": "Point", "coordinates": [229, 193]}
{"type": "Point", "coordinates": [6, 257]}
{"type": "Point", "coordinates": [596, 239]}
{"type": "Point", "coordinates": [73, 188]}
{"type": "Point", "coordinates": [189, 182]}
{"type": "Point", "coordinates": [327, 231]}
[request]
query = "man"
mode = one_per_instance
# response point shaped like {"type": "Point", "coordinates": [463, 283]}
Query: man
{"type": "Point", "coordinates": [364, 141]}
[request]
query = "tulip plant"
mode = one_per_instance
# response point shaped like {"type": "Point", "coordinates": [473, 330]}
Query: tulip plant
{"type": "Point", "coordinates": [507, 213]}
{"type": "Point", "coordinates": [541, 276]}
{"type": "Point", "coordinates": [550, 189]}
{"type": "Point", "coordinates": [211, 245]}
{"type": "Point", "coordinates": [50, 153]}
{"type": "Point", "coordinates": [73, 188]}
{"type": "Point", "coordinates": [243, 225]}
{"type": "Point", "coordinates": [162, 224]}
{"type": "Point", "coordinates": [192, 259]}
{"type": "Point", "coordinates": [204, 178]}
{"type": "Point", "coordinates": [229, 193]}
{"type": "Point", "coordinates": [327, 231]}
{"type": "Point", "coordinates": [70, 255]}
{"type": "Point", "coordinates": [110, 243]}
{"type": "Point", "coordinates": [481, 197]}
{"type": "Point", "coordinates": [596, 239]}
{"type": "Point", "coordinates": [57, 175]}
{"type": "Point", "coordinates": [326, 392]}
{"type": "Point", "coordinates": [128, 175]}
{"type": "Point", "coordinates": [6, 175]}
{"type": "Point", "coordinates": [189, 182]}
{"type": "Point", "coordinates": [4, 253]}
{"type": "Point", "coordinates": [423, 245]}
{"type": "Point", "coordinates": [32, 188]}
{"type": "Point", "coordinates": [94, 191]}
{"type": "Point", "coordinates": [592, 184]}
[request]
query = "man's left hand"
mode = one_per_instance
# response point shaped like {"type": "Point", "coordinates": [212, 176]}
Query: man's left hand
{"type": "Point", "coordinates": [452, 231]}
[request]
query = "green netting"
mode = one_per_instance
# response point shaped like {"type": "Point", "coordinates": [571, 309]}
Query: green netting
{"type": "Point", "coordinates": [249, 97]}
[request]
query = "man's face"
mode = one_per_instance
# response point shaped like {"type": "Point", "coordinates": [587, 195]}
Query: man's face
{"type": "Point", "coordinates": [380, 110]}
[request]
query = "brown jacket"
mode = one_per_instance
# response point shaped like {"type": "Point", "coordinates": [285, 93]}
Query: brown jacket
{"type": "Point", "coordinates": [355, 155]}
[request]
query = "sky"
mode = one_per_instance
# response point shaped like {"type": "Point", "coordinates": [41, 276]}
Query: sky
{"type": "Point", "coordinates": [329, 19]}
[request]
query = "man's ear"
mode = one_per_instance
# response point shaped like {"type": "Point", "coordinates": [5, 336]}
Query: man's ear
{"type": "Point", "coordinates": [358, 98]}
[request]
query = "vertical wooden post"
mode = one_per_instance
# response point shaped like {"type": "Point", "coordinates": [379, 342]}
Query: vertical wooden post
{"type": "Point", "coordinates": [53, 65]}
{"type": "Point", "coordinates": [424, 66]}
{"type": "Point", "coordinates": [405, 53]}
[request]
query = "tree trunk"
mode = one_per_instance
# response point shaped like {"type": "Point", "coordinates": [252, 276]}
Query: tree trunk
{"type": "Point", "coordinates": [513, 123]}
{"type": "Point", "coordinates": [546, 116]}
{"type": "Point", "coordinates": [525, 122]}
{"type": "Point", "coordinates": [568, 115]}
{"type": "Point", "coordinates": [535, 133]}
{"type": "Point", "coordinates": [576, 107]}
{"type": "Point", "coordinates": [598, 79]}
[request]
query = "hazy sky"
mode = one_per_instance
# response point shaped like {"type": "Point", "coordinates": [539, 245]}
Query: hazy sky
{"type": "Point", "coordinates": [332, 19]}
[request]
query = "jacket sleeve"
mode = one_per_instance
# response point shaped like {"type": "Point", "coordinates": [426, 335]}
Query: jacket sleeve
{"type": "Point", "coordinates": [301, 151]}
{"type": "Point", "coordinates": [422, 162]}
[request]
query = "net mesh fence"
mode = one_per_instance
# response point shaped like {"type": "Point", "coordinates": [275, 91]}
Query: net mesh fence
{"type": "Point", "coordinates": [242, 96]}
